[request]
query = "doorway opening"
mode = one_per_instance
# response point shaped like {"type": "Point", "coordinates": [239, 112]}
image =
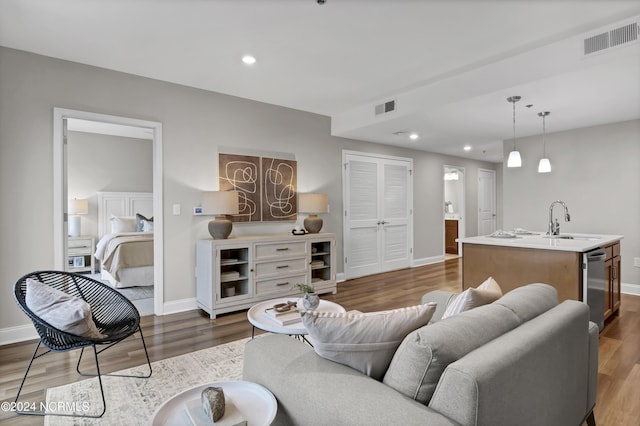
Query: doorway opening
{"type": "Point", "coordinates": [454, 210]}
{"type": "Point", "coordinates": [153, 130]}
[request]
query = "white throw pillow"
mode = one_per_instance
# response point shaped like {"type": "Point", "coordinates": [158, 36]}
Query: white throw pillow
{"type": "Point", "coordinates": [364, 342]}
{"type": "Point", "coordinates": [487, 292]}
{"type": "Point", "coordinates": [61, 310]}
{"type": "Point", "coordinates": [123, 224]}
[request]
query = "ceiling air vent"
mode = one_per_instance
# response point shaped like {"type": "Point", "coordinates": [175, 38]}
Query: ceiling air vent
{"type": "Point", "coordinates": [386, 107]}
{"type": "Point", "coordinates": [616, 37]}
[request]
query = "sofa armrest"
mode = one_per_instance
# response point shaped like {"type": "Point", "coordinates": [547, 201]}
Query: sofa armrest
{"type": "Point", "coordinates": [441, 298]}
{"type": "Point", "coordinates": [311, 390]}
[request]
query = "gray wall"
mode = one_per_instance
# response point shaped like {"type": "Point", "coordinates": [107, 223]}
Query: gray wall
{"type": "Point", "coordinates": [98, 163]}
{"type": "Point", "coordinates": [596, 171]}
{"type": "Point", "coordinates": [195, 124]}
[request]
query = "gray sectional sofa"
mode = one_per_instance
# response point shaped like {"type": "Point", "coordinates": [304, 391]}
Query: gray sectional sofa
{"type": "Point", "coordinates": [522, 360]}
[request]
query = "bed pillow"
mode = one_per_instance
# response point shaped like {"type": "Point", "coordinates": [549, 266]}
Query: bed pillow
{"type": "Point", "coordinates": [364, 342]}
{"type": "Point", "coordinates": [123, 224]}
{"type": "Point", "coordinates": [63, 311]}
{"type": "Point", "coordinates": [487, 292]}
{"type": "Point", "coordinates": [147, 226]}
{"type": "Point", "coordinates": [140, 219]}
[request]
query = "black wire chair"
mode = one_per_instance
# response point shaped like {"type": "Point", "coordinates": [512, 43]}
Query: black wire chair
{"type": "Point", "coordinates": [114, 315]}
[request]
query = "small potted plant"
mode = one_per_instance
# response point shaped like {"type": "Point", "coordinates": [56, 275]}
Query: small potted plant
{"type": "Point", "coordinates": [310, 300]}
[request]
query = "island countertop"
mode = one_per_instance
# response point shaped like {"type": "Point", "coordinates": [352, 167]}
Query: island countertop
{"type": "Point", "coordinates": [580, 243]}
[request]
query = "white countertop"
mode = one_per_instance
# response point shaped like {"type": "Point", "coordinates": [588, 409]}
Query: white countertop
{"type": "Point", "coordinates": [538, 240]}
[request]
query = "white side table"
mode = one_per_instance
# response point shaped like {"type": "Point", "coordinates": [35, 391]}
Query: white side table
{"type": "Point", "coordinates": [259, 318]}
{"type": "Point", "coordinates": [80, 254]}
{"type": "Point", "coordinates": [256, 403]}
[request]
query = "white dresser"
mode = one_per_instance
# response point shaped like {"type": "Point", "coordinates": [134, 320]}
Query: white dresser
{"type": "Point", "coordinates": [236, 273]}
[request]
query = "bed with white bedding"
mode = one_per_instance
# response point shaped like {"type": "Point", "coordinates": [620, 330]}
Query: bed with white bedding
{"type": "Point", "coordinates": [125, 248]}
{"type": "Point", "coordinates": [126, 259]}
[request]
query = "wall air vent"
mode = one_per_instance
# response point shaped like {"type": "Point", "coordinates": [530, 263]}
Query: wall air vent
{"type": "Point", "coordinates": [386, 107]}
{"type": "Point", "coordinates": [612, 38]}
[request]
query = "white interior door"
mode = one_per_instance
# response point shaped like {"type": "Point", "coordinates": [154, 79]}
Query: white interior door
{"type": "Point", "coordinates": [377, 225]}
{"type": "Point", "coordinates": [486, 201]}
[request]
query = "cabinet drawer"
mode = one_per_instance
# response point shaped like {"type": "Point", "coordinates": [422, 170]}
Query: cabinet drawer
{"type": "Point", "coordinates": [281, 267]}
{"type": "Point", "coordinates": [82, 243]}
{"type": "Point", "coordinates": [279, 285]}
{"type": "Point", "coordinates": [276, 250]}
{"type": "Point", "coordinates": [608, 252]}
{"type": "Point", "coordinates": [616, 249]}
{"type": "Point", "coordinates": [75, 251]}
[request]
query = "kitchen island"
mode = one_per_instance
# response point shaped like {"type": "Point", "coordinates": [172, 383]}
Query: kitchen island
{"type": "Point", "coordinates": [514, 260]}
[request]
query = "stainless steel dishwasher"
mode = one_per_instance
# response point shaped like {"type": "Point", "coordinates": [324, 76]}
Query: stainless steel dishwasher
{"type": "Point", "coordinates": [594, 283]}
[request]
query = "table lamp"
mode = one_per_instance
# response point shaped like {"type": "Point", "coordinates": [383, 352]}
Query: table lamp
{"type": "Point", "coordinates": [220, 204]}
{"type": "Point", "coordinates": [313, 204]}
{"type": "Point", "coordinates": [76, 208]}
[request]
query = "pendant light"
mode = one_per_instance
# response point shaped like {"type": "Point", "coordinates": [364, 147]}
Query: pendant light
{"type": "Point", "coordinates": [544, 166]}
{"type": "Point", "coordinates": [514, 159]}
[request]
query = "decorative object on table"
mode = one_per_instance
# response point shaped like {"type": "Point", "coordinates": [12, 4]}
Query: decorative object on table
{"type": "Point", "coordinates": [310, 300]}
{"type": "Point", "coordinates": [313, 204]}
{"type": "Point", "coordinates": [75, 209]}
{"type": "Point", "coordinates": [544, 166]}
{"type": "Point", "coordinates": [298, 231]}
{"type": "Point", "coordinates": [220, 204]}
{"type": "Point", "coordinates": [285, 313]}
{"type": "Point", "coordinates": [212, 399]}
{"type": "Point", "coordinates": [514, 159]}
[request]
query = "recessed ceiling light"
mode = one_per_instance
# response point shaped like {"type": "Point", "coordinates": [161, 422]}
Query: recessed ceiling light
{"type": "Point", "coordinates": [248, 59]}
{"type": "Point", "coordinates": [413, 136]}
{"type": "Point", "coordinates": [467, 148]}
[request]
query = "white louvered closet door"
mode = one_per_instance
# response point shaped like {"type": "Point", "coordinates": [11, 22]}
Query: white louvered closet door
{"type": "Point", "coordinates": [377, 217]}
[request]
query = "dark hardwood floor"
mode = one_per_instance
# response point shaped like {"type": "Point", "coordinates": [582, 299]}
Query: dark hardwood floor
{"type": "Point", "coordinates": [618, 400]}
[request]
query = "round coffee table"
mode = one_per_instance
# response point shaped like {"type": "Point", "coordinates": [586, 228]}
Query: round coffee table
{"type": "Point", "coordinates": [256, 404]}
{"type": "Point", "coordinates": [260, 319]}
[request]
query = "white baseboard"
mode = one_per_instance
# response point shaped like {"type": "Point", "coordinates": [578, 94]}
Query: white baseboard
{"type": "Point", "coordinates": [427, 261]}
{"type": "Point", "coordinates": [181, 305]}
{"type": "Point", "coordinates": [340, 277]}
{"type": "Point", "coordinates": [17, 334]}
{"type": "Point", "coordinates": [633, 289]}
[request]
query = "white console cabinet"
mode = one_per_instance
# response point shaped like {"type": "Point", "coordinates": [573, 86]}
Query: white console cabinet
{"type": "Point", "coordinates": [236, 273]}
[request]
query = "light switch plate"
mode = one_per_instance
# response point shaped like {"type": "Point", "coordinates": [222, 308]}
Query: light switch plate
{"type": "Point", "coordinates": [176, 209]}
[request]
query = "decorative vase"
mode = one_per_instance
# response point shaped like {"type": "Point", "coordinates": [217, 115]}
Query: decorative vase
{"type": "Point", "coordinates": [310, 301]}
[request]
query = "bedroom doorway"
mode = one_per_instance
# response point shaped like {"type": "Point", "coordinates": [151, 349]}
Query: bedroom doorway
{"type": "Point", "coordinates": [106, 124]}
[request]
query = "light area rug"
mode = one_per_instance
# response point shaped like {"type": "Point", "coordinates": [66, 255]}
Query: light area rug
{"type": "Point", "coordinates": [132, 401]}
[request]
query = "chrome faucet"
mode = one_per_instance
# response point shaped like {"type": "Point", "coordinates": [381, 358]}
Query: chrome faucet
{"type": "Point", "coordinates": [554, 227]}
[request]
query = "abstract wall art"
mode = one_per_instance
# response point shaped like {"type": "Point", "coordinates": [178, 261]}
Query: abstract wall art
{"type": "Point", "coordinates": [267, 186]}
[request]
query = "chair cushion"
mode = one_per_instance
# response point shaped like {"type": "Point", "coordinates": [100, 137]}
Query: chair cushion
{"type": "Point", "coordinates": [365, 342]}
{"type": "Point", "coordinates": [63, 311]}
{"type": "Point", "coordinates": [487, 292]}
{"type": "Point", "coordinates": [423, 355]}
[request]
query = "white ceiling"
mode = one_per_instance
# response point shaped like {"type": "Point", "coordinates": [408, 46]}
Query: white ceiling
{"type": "Point", "coordinates": [450, 64]}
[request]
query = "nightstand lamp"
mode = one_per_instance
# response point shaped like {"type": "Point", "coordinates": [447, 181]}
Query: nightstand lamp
{"type": "Point", "coordinates": [221, 204]}
{"type": "Point", "coordinates": [75, 209]}
{"type": "Point", "coordinates": [313, 204]}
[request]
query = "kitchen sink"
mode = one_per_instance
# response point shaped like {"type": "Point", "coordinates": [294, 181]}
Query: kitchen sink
{"type": "Point", "coordinates": [573, 237]}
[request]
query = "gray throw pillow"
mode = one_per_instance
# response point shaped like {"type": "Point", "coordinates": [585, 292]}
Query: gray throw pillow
{"type": "Point", "coordinates": [63, 311]}
{"type": "Point", "coordinates": [364, 342]}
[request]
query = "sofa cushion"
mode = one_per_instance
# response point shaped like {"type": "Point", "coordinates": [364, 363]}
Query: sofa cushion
{"type": "Point", "coordinates": [529, 301]}
{"type": "Point", "coordinates": [423, 355]}
{"type": "Point", "coordinates": [364, 342]}
{"type": "Point", "coordinates": [63, 311]}
{"type": "Point", "coordinates": [487, 292]}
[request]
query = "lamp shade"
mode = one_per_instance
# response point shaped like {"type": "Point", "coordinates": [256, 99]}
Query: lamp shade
{"type": "Point", "coordinates": [313, 203]}
{"type": "Point", "coordinates": [220, 202]}
{"type": "Point", "coordinates": [514, 159]}
{"type": "Point", "coordinates": [544, 166]}
{"type": "Point", "coordinates": [78, 206]}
